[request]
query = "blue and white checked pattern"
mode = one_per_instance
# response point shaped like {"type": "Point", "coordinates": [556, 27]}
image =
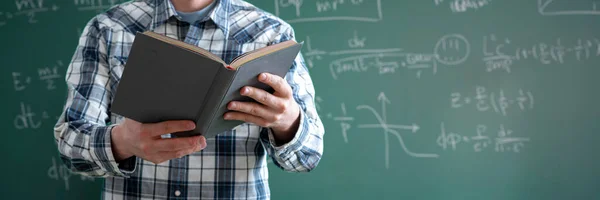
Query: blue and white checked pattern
{"type": "Point", "coordinates": [233, 166]}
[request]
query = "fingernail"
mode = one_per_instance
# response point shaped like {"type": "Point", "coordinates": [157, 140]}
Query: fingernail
{"type": "Point", "coordinates": [202, 143]}
{"type": "Point", "coordinates": [226, 116]}
{"type": "Point", "coordinates": [191, 125]}
{"type": "Point", "coordinates": [262, 77]}
{"type": "Point", "coordinates": [245, 90]}
{"type": "Point", "coordinates": [231, 106]}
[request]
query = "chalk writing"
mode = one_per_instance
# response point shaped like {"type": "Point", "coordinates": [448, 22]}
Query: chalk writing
{"type": "Point", "coordinates": [344, 122]}
{"type": "Point", "coordinates": [19, 82]}
{"type": "Point", "coordinates": [28, 119]}
{"type": "Point", "coordinates": [312, 54]}
{"type": "Point", "coordinates": [464, 5]}
{"type": "Point", "coordinates": [480, 141]}
{"type": "Point", "coordinates": [60, 172]}
{"type": "Point", "coordinates": [498, 101]}
{"type": "Point", "coordinates": [391, 129]}
{"type": "Point", "coordinates": [96, 5]}
{"type": "Point", "coordinates": [452, 49]}
{"type": "Point", "coordinates": [328, 10]}
{"type": "Point", "coordinates": [357, 42]}
{"type": "Point", "coordinates": [30, 8]}
{"type": "Point", "coordinates": [4, 17]}
{"type": "Point", "coordinates": [501, 54]}
{"type": "Point", "coordinates": [47, 75]}
{"type": "Point", "coordinates": [567, 7]}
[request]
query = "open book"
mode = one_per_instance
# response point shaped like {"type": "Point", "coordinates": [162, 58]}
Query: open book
{"type": "Point", "coordinates": [167, 79]}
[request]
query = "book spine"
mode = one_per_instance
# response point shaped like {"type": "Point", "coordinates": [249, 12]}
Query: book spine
{"type": "Point", "coordinates": [212, 104]}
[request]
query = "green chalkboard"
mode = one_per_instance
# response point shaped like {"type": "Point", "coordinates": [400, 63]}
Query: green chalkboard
{"type": "Point", "coordinates": [421, 99]}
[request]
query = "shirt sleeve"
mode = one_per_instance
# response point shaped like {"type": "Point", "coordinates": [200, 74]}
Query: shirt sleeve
{"type": "Point", "coordinates": [304, 151]}
{"type": "Point", "coordinates": [83, 131]}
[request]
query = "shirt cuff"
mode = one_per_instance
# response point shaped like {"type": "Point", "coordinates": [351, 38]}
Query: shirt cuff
{"type": "Point", "coordinates": [101, 152]}
{"type": "Point", "coordinates": [285, 151]}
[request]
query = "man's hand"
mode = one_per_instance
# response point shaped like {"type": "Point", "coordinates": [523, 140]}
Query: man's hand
{"type": "Point", "coordinates": [143, 140]}
{"type": "Point", "coordinates": [278, 111]}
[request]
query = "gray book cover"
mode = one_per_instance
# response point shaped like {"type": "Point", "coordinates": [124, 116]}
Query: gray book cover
{"type": "Point", "coordinates": [164, 82]}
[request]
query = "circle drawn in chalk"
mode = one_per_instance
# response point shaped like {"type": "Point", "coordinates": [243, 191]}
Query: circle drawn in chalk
{"type": "Point", "coordinates": [452, 49]}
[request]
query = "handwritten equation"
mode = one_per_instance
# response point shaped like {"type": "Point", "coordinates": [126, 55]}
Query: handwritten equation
{"type": "Point", "coordinates": [501, 54]}
{"type": "Point", "coordinates": [504, 140]}
{"type": "Point", "coordinates": [463, 5]}
{"type": "Point", "coordinates": [31, 9]}
{"type": "Point", "coordinates": [46, 75]}
{"type": "Point", "coordinates": [295, 11]}
{"type": "Point", "coordinates": [30, 119]}
{"type": "Point", "coordinates": [452, 49]}
{"type": "Point", "coordinates": [496, 101]}
{"type": "Point", "coordinates": [96, 5]}
{"type": "Point", "coordinates": [58, 171]}
{"type": "Point", "coordinates": [28, 9]}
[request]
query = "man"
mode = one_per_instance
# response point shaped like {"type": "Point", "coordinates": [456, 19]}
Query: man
{"type": "Point", "coordinates": [140, 160]}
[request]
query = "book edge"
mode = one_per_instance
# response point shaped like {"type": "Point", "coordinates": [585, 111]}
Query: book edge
{"type": "Point", "coordinates": [183, 45]}
{"type": "Point", "coordinates": [216, 108]}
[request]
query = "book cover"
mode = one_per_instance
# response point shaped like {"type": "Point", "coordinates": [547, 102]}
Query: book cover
{"type": "Point", "coordinates": [166, 80]}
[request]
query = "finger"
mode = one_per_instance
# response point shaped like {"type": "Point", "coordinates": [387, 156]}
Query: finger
{"type": "Point", "coordinates": [166, 127]}
{"type": "Point", "coordinates": [163, 156]}
{"type": "Point", "coordinates": [246, 118]}
{"type": "Point", "coordinates": [277, 83]}
{"type": "Point", "coordinates": [174, 144]}
{"type": "Point", "coordinates": [263, 97]}
{"type": "Point", "coordinates": [251, 108]}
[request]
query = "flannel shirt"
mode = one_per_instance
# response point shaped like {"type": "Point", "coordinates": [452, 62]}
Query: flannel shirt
{"type": "Point", "coordinates": [234, 164]}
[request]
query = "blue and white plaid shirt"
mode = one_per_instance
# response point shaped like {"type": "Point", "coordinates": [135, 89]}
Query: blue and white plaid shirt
{"type": "Point", "coordinates": [233, 165]}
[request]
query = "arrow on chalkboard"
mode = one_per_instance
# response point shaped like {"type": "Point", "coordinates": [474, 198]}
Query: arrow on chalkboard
{"type": "Point", "coordinates": [391, 129]}
{"type": "Point", "coordinates": [384, 100]}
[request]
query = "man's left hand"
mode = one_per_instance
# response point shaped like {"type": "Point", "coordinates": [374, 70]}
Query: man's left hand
{"type": "Point", "coordinates": [278, 111]}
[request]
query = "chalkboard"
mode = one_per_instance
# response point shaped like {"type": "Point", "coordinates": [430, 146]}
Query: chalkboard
{"type": "Point", "coordinates": [421, 99]}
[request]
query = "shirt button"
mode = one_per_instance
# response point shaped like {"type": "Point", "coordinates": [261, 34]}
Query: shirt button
{"type": "Point", "coordinates": [177, 193]}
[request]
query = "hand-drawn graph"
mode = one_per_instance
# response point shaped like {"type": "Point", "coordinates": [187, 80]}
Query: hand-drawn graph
{"type": "Point", "coordinates": [391, 129]}
{"type": "Point", "coordinates": [295, 11]}
{"type": "Point", "coordinates": [568, 7]}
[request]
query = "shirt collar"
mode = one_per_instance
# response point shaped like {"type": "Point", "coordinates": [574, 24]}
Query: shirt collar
{"type": "Point", "coordinates": [164, 9]}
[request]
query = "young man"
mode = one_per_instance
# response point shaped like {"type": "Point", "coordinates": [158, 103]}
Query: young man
{"type": "Point", "coordinates": [137, 159]}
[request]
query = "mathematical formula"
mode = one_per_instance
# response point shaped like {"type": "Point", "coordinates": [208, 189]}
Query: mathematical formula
{"type": "Point", "coordinates": [31, 9]}
{"type": "Point", "coordinates": [295, 11]}
{"type": "Point", "coordinates": [501, 54]}
{"type": "Point", "coordinates": [480, 140]}
{"type": "Point", "coordinates": [496, 137]}
{"type": "Point", "coordinates": [452, 49]}
{"type": "Point", "coordinates": [500, 101]}
{"type": "Point", "coordinates": [47, 77]}
{"type": "Point", "coordinates": [96, 5]}
{"type": "Point", "coordinates": [27, 118]}
{"type": "Point", "coordinates": [463, 5]}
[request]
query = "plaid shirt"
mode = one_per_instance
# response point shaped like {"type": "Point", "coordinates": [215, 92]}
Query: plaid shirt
{"type": "Point", "coordinates": [233, 165]}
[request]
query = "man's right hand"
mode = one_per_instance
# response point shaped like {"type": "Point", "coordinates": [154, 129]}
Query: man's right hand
{"type": "Point", "coordinates": [144, 140]}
